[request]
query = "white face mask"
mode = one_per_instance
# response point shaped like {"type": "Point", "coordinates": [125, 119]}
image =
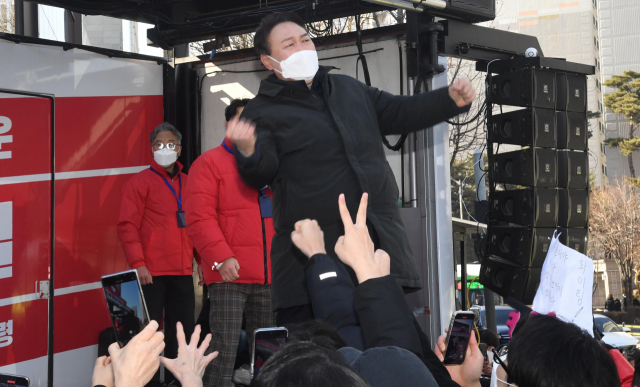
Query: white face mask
{"type": "Point", "coordinates": [165, 157]}
{"type": "Point", "coordinates": [494, 376]}
{"type": "Point", "coordinates": [301, 65]}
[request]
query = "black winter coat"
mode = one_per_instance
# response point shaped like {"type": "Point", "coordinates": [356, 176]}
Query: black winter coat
{"type": "Point", "coordinates": [314, 144]}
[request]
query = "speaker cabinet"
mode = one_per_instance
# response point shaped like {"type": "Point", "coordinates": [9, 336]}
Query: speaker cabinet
{"type": "Point", "coordinates": [574, 238]}
{"type": "Point", "coordinates": [572, 131]}
{"type": "Point", "coordinates": [573, 208]}
{"type": "Point", "coordinates": [571, 92]}
{"type": "Point", "coordinates": [519, 245]}
{"type": "Point", "coordinates": [526, 207]}
{"type": "Point", "coordinates": [527, 127]}
{"type": "Point", "coordinates": [573, 170]}
{"type": "Point", "coordinates": [508, 280]}
{"type": "Point", "coordinates": [526, 167]}
{"type": "Point", "coordinates": [526, 87]}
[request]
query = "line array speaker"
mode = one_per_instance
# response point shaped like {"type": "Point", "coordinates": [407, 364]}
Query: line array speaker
{"type": "Point", "coordinates": [575, 238]}
{"type": "Point", "coordinates": [572, 92]}
{"type": "Point", "coordinates": [572, 130]}
{"type": "Point", "coordinates": [522, 246]}
{"type": "Point", "coordinates": [528, 167]}
{"type": "Point", "coordinates": [573, 208]}
{"type": "Point", "coordinates": [573, 169]}
{"type": "Point", "coordinates": [532, 207]}
{"type": "Point", "coordinates": [526, 127]}
{"type": "Point", "coordinates": [526, 87]}
{"type": "Point", "coordinates": [509, 280]}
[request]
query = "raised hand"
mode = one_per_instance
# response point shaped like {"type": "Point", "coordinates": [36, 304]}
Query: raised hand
{"type": "Point", "coordinates": [309, 238]}
{"type": "Point", "coordinates": [189, 366]}
{"type": "Point", "coordinates": [462, 92]}
{"type": "Point", "coordinates": [243, 134]}
{"type": "Point", "coordinates": [136, 363]}
{"type": "Point", "coordinates": [355, 248]}
{"type": "Point", "coordinates": [468, 373]}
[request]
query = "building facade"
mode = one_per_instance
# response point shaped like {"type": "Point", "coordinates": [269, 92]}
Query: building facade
{"type": "Point", "coordinates": [619, 32]}
{"type": "Point", "coordinates": [565, 29]}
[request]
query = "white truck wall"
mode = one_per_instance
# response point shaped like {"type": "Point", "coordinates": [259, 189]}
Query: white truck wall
{"type": "Point", "coordinates": [219, 88]}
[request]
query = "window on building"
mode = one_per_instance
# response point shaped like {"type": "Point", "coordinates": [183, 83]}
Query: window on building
{"type": "Point", "coordinates": [603, 172]}
{"type": "Point", "coordinates": [598, 84]}
{"type": "Point", "coordinates": [595, 22]}
{"type": "Point", "coordinates": [595, 4]}
{"type": "Point", "coordinates": [601, 126]}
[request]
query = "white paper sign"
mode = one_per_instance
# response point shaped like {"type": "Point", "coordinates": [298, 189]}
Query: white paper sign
{"type": "Point", "coordinates": [565, 286]}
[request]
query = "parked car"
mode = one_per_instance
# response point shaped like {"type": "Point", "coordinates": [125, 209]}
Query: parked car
{"type": "Point", "coordinates": [614, 335]}
{"type": "Point", "coordinates": [502, 316]}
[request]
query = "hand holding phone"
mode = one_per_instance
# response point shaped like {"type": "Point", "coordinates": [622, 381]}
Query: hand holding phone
{"type": "Point", "coordinates": [460, 330]}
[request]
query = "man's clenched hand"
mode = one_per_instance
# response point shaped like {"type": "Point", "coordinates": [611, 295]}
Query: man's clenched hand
{"type": "Point", "coordinates": [462, 92]}
{"type": "Point", "coordinates": [243, 135]}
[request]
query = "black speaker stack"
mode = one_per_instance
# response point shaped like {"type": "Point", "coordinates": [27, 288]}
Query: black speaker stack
{"type": "Point", "coordinates": [543, 186]}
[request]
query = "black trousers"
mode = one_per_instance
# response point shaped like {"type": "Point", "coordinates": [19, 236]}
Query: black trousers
{"type": "Point", "coordinates": [173, 295]}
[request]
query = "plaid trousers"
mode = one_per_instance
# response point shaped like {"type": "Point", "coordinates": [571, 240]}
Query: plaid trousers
{"type": "Point", "coordinates": [228, 302]}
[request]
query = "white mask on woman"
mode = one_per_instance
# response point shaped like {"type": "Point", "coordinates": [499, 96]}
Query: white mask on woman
{"type": "Point", "coordinates": [165, 157]}
{"type": "Point", "coordinates": [494, 375]}
{"type": "Point", "coordinates": [301, 65]}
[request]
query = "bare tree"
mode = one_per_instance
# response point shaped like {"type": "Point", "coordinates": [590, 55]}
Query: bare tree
{"type": "Point", "coordinates": [614, 217]}
{"type": "Point", "coordinates": [7, 16]}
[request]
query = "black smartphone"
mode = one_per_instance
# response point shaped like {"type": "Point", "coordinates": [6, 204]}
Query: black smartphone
{"type": "Point", "coordinates": [266, 341]}
{"type": "Point", "coordinates": [126, 304]}
{"type": "Point", "coordinates": [13, 381]}
{"type": "Point", "coordinates": [460, 330]}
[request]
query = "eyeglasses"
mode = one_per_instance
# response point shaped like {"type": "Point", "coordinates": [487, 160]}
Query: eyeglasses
{"type": "Point", "coordinates": [506, 384]}
{"type": "Point", "coordinates": [160, 145]}
{"type": "Point", "coordinates": [498, 353]}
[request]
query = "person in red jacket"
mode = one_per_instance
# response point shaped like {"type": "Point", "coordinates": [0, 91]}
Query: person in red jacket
{"type": "Point", "coordinates": [152, 229]}
{"type": "Point", "coordinates": [231, 227]}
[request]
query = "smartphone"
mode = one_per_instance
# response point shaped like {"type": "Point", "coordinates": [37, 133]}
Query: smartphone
{"type": "Point", "coordinates": [13, 381]}
{"type": "Point", "coordinates": [266, 341]}
{"type": "Point", "coordinates": [126, 304]}
{"type": "Point", "coordinates": [460, 330]}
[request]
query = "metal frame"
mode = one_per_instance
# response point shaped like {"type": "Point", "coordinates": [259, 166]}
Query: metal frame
{"type": "Point", "coordinates": [52, 234]}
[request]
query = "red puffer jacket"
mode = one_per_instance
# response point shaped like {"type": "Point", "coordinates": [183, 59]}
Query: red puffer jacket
{"type": "Point", "coordinates": [148, 225]}
{"type": "Point", "coordinates": [224, 220]}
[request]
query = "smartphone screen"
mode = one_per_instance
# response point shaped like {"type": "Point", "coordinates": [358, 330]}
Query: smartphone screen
{"type": "Point", "coordinates": [13, 381]}
{"type": "Point", "coordinates": [266, 342]}
{"type": "Point", "coordinates": [126, 304]}
{"type": "Point", "coordinates": [458, 337]}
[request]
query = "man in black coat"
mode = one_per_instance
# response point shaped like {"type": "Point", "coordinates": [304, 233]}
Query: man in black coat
{"type": "Point", "coordinates": [311, 135]}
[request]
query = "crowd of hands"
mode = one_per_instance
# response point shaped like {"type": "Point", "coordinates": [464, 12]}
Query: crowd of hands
{"type": "Point", "coordinates": [136, 363]}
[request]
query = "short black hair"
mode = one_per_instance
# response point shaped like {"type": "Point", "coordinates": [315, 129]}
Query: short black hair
{"type": "Point", "coordinates": [317, 332]}
{"type": "Point", "coordinates": [231, 110]}
{"type": "Point", "coordinates": [489, 338]}
{"type": "Point", "coordinates": [552, 353]}
{"type": "Point", "coordinates": [308, 365]}
{"type": "Point", "coordinates": [261, 38]}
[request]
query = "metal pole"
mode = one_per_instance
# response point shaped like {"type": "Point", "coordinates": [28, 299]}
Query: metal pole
{"type": "Point", "coordinates": [463, 277]}
{"type": "Point", "coordinates": [413, 186]}
{"type": "Point", "coordinates": [481, 194]}
{"type": "Point", "coordinates": [460, 196]}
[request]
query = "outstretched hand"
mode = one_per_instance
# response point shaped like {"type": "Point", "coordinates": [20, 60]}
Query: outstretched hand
{"type": "Point", "coordinates": [468, 373]}
{"type": "Point", "coordinates": [136, 363]}
{"type": "Point", "coordinates": [308, 237]}
{"type": "Point", "coordinates": [462, 92]}
{"type": "Point", "coordinates": [355, 248]}
{"type": "Point", "coordinates": [189, 366]}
